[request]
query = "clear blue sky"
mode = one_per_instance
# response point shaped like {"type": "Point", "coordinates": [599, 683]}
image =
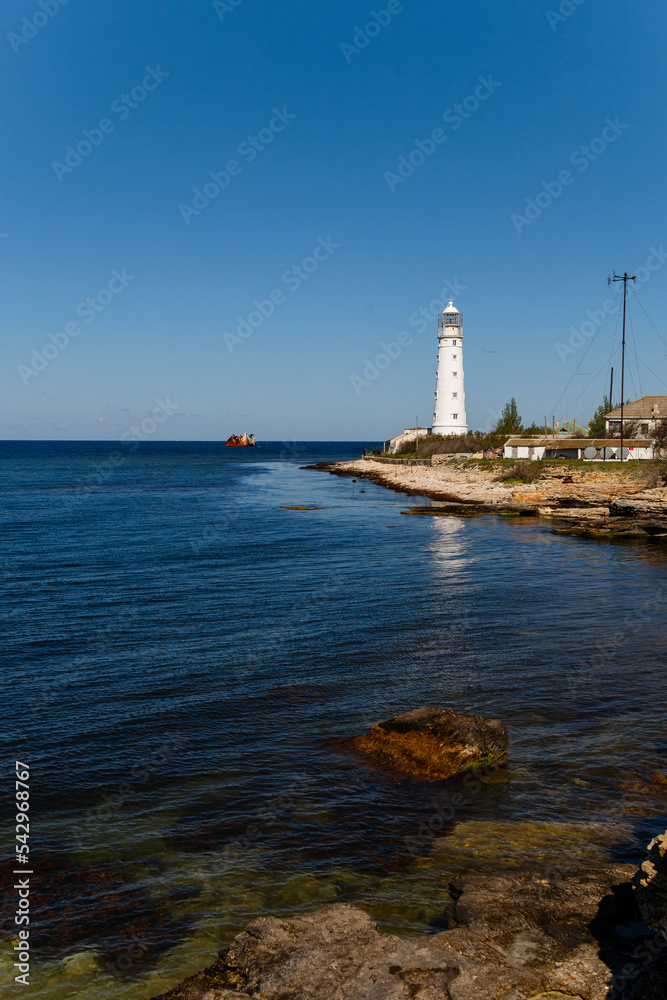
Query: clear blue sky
{"type": "Point", "coordinates": [333, 110]}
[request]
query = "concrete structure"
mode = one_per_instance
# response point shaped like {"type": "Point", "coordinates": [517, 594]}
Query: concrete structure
{"type": "Point", "coordinates": [449, 416]}
{"type": "Point", "coordinates": [410, 433]}
{"type": "Point", "coordinates": [590, 449]}
{"type": "Point", "coordinates": [648, 413]}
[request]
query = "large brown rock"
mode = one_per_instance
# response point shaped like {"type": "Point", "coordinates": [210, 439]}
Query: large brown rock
{"type": "Point", "coordinates": [510, 938]}
{"type": "Point", "coordinates": [435, 743]}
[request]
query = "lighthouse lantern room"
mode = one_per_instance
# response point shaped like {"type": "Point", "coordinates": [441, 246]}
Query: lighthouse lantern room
{"type": "Point", "coordinates": [449, 415]}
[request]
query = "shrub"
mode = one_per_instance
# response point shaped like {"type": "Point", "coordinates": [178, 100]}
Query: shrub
{"type": "Point", "coordinates": [523, 472]}
{"type": "Point", "coordinates": [656, 475]}
{"type": "Point", "coordinates": [440, 444]}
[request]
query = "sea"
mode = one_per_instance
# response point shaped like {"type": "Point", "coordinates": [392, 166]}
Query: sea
{"type": "Point", "coordinates": [191, 632]}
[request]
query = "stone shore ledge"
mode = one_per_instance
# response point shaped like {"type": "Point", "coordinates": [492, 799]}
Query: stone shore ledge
{"type": "Point", "coordinates": [599, 503]}
{"type": "Point", "coordinates": [526, 935]}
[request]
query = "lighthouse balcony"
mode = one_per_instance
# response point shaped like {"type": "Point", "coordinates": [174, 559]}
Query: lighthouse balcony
{"type": "Point", "coordinates": [447, 321]}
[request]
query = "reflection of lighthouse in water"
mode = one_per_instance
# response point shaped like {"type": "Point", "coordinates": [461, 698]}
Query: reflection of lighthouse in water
{"type": "Point", "coordinates": [451, 550]}
{"type": "Point", "coordinates": [449, 416]}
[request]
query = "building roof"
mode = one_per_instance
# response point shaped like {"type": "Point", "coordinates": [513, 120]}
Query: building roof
{"type": "Point", "coordinates": [414, 431]}
{"type": "Point", "coordinates": [641, 408]}
{"type": "Point", "coordinates": [451, 308]}
{"type": "Point", "coordinates": [572, 427]}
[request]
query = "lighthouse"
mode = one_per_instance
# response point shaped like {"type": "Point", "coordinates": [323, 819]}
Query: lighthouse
{"type": "Point", "coordinates": [449, 415]}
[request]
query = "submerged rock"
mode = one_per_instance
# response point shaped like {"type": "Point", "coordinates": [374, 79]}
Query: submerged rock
{"type": "Point", "coordinates": [527, 936]}
{"type": "Point", "coordinates": [94, 906]}
{"type": "Point", "coordinates": [435, 743]}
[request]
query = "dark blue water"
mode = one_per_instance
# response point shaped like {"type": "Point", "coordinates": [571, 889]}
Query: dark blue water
{"type": "Point", "coordinates": [182, 654]}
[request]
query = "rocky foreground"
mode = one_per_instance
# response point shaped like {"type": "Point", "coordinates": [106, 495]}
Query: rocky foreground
{"type": "Point", "coordinates": [524, 935]}
{"type": "Point", "coordinates": [543, 936]}
{"type": "Point", "coordinates": [595, 502]}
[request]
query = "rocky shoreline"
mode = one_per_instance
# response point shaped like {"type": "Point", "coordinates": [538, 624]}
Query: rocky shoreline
{"type": "Point", "coordinates": [615, 505]}
{"type": "Point", "coordinates": [541, 935]}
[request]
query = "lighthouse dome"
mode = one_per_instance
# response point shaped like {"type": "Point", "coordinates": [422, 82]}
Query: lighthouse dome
{"type": "Point", "coordinates": [449, 317]}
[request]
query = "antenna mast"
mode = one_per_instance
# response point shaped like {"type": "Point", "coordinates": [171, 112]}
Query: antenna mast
{"type": "Point", "coordinates": [624, 278]}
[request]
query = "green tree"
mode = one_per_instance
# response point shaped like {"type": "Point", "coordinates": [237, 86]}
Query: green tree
{"type": "Point", "coordinates": [510, 421]}
{"type": "Point", "coordinates": [597, 423]}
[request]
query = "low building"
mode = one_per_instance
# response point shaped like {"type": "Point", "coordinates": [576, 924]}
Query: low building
{"type": "Point", "coordinates": [647, 413]}
{"type": "Point", "coordinates": [589, 449]}
{"type": "Point", "coordinates": [409, 434]}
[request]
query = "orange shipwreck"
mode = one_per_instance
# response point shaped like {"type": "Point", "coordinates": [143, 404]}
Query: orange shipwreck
{"type": "Point", "coordinates": [241, 441]}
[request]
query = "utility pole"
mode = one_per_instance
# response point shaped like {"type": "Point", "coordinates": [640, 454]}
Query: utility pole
{"type": "Point", "coordinates": [624, 278]}
{"type": "Point", "coordinates": [583, 404]}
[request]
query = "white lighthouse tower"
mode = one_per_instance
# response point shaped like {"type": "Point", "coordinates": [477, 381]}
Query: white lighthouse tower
{"type": "Point", "coordinates": [449, 415]}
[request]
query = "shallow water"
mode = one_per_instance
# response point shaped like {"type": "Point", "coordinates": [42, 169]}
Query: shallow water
{"type": "Point", "coordinates": [182, 653]}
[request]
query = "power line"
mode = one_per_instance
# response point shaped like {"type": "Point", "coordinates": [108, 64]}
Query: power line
{"type": "Point", "coordinates": [649, 319]}
{"type": "Point", "coordinates": [639, 378]}
{"type": "Point", "coordinates": [554, 409]}
{"type": "Point", "coordinates": [575, 401]}
{"type": "Point", "coordinates": [479, 347]}
{"type": "Point", "coordinates": [607, 363]}
{"type": "Point", "coordinates": [611, 356]}
{"type": "Point", "coordinates": [657, 377]}
{"type": "Point", "coordinates": [625, 277]}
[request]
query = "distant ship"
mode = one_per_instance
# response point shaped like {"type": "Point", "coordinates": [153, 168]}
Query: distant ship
{"type": "Point", "coordinates": [241, 441]}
